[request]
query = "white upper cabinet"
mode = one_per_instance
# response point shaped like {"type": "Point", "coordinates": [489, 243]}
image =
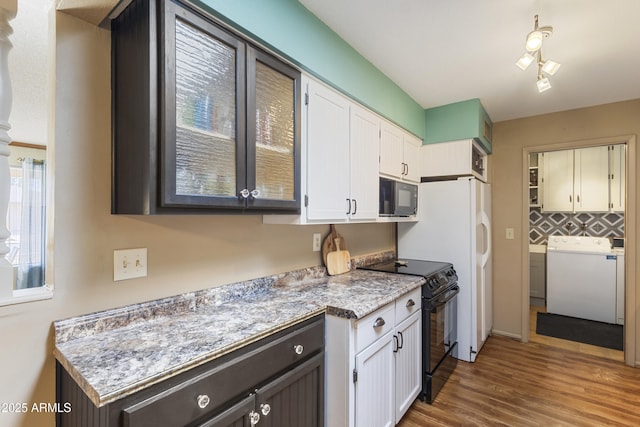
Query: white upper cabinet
{"type": "Point", "coordinates": [558, 181]}
{"type": "Point", "coordinates": [399, 153]}
{"type": "Point", "coordinates": [411, 149]}
{"type": "Point", "coordinates": [340, 160]}
{"type": "Point", "coordinates": [391, 151]}
{"type": "Point", "coordinates": [453, 158]}
{"type": "Point", "coordinates": [364, 154]}
{"type": "Point", "coordinates": [617, 171]}
{"type": "Point", "coordinates": [576, 180]}
{"type": "Point", "coordinates": [591, 179]}
{"type": "Point", "coordinates": [327, 153]}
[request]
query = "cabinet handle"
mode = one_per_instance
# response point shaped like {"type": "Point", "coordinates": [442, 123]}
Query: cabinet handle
{"type": "Point", "coordinates": [255, 193]}
{"type": "Point", "coordinates": [401, 340]}
{"type": "Point", "coordinates": [244, 193]}
{"type": "Point", "coordinates": [265, 408]}
{"type": "Point", "coordinates": [379, 322]}
{"type": "Point", "coordinates": [397, 345]}
{"type": "Point", "coordinates": [570, 199]}
{"type": "Point", "coordinates": [355, 206]}
{"type": "Point", "coordinates": [298, 349]}
{"type": "Point", "coordinates": [406, 165]}
{"type": "Point", "coordinates": [410, 303]}
{"type": "Point", "coordinates": [254, 418]}
{"type": "Point", "coordinates": [348, 206]}
{"type": "Point", "coordinates": [203, 401]}
{"type": "Point", "coordinates": [578, 198]}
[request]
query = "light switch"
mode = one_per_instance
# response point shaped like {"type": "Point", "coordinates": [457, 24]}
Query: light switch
{"type": "Point", "coordinates": [510, 234]}
{"type": "Point", "coordinates": [129, 264]}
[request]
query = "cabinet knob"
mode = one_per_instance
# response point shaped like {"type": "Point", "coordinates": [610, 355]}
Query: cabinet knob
{"type": "Point", "coordinates": [255, 193]}
{"type": "Point", "coordinates": [379, 322]}
{"type": "Point", "coordinates": [244, 193]}
{"type": "Point", "coordinates": [203, 401]}
{"type": "Point", "coordinates": [254, 418]}
{"type": "Point", "coordinates": [298, 349]}
{"type": "Point", "coordinates": [265, 408]}
{"type": "Point", "coordinates": [410, 303]}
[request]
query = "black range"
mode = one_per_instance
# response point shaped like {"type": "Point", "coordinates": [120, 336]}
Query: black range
{"type": "Point", "coordinates": [439, 318]}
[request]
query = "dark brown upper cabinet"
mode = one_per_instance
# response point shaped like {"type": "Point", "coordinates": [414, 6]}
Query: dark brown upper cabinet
{"type": "Point", "coordinates": [203, 121]}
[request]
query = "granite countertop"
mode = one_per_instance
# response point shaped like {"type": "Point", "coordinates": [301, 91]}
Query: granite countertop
{"type": "Point", "coordinates": [114, 353]}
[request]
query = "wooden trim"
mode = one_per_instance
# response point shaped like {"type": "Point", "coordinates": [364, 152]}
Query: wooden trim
{"type": "Point", "coordinates": [27, 145]}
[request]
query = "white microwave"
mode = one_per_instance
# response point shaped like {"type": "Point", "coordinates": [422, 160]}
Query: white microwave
{"type": "Point", "coordinates": [398, 198]}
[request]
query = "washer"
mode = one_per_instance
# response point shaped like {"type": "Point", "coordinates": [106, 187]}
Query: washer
{"type": "Point", "coordinates": [581, 278]}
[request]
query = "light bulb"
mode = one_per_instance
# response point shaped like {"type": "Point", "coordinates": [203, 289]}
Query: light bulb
{"type": "Point", "coordinates": [543, 84]}
{"type": "Point", "coordinates": [525, 60]}
{"type": "Point", "coordinates": [550, 67]}
{"type": "Point", "coordinates": [534, 41]}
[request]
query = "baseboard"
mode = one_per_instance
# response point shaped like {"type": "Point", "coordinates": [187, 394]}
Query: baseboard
{"type": "Point", "coordinates": [506, 334]}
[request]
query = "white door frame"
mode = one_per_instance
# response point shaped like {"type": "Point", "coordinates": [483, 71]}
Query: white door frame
{"type": "Point", "coordinates": [630, 216]}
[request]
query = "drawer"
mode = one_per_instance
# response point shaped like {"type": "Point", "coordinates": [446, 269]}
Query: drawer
{"type": "Point", "coordinates": [374, 326]}
{"type": "Point", "coordinates": [408, 304]}
{"type": "Point", "coordinates": [217, 388]}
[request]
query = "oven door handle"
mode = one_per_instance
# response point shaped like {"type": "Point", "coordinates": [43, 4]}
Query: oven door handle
{"type": "Point", "coordinates": [446, 297]}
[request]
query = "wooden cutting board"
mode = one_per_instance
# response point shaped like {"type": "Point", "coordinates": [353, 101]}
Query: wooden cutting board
{"type": "Point", "coordinates": [338, 261]}
{"type": "Point", "coordinates": [329, 244]}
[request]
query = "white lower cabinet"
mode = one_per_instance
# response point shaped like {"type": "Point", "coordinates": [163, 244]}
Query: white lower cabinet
{"type": "Point", "coordinates": [373, 367]}
{"type": "Point", "coordinates": [408, 361]}
{"type": "Point", "coordinates": [374, 384]}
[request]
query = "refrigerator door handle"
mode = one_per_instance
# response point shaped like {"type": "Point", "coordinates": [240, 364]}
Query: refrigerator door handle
{"type": "Point", "coordinates": [486, 226]}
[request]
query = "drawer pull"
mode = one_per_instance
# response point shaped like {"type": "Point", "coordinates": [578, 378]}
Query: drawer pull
{"type": "Point", "coordinates": [298, 349]}
{"type": "Point", "coordinates": [379, 322]}
{"type": "Point", "coordinates": [410, 303]}
{"type": "Point", "coordinates": [265, 408]}
{"type": "Point", "coordinates": [203, 401]}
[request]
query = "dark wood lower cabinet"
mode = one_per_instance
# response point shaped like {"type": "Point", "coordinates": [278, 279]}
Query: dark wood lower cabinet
{"type": "Point", "coordinates": [275, 382]}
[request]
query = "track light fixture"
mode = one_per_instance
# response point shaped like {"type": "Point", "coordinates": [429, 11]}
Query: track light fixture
{"type": "Point", "coordinates": [533, 47]}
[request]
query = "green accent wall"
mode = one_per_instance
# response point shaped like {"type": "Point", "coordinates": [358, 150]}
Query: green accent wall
{"type": "Point", "coordinates": [460, 120]}
{"type": "Point", "coordinates": [289, 29]}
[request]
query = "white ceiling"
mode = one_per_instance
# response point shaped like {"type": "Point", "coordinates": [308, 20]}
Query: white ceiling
{"type": "Point", "coordinates": [441, 52]}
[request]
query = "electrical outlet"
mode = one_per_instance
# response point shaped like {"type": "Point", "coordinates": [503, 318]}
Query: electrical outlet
{"type": "Point", "coordinates": [317, 242]}
{"type": "Point", "coordinates": [129, 264]}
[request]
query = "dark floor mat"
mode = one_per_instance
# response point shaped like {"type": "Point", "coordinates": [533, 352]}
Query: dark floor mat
{"type": "Point", "coordinates": [580, 330]}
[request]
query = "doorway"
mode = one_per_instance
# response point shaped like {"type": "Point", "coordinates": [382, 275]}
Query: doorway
{"type": "Point", "coordinates": [541, 222]}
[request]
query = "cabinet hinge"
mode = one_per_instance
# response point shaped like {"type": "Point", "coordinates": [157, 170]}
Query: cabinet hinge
{"type": "Point", "coordinates": [306, 98]}
{"type": "Point", "coordinates": [355, 376]}
{"type": "Point", "coordinates": [306, 200]}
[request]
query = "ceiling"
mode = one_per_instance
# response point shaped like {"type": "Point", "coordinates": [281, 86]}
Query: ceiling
{"type": "Point", "coordinates": [441, 52]}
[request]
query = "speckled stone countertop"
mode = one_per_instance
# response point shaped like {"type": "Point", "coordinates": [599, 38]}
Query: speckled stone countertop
{"type": "Point", "coordinates": [114, 353]}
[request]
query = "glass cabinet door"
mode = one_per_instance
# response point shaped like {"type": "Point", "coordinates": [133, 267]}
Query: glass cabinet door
{"type": "Point", "coordinates": [273, 135]}
{"type": "Point", "coordinates": [204, 139]}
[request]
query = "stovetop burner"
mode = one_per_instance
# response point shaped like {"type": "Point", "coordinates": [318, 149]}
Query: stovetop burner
{"type": "Point", "coordinates": [439, 275]}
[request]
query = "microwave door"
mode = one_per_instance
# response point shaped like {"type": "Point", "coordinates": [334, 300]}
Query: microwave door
{"type": "Point", "coordinates": [405, 204]}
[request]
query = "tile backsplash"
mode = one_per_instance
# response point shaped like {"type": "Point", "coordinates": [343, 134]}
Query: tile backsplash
{"type": "Point", "coordinates": [542, 224]}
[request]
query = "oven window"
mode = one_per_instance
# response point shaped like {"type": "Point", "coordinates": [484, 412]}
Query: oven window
{"type": "Point", "coordinates": [443, 319]}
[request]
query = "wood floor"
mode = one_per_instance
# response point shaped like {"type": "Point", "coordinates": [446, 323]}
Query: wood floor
{"type": "Point", "coordinates": [539, 383]}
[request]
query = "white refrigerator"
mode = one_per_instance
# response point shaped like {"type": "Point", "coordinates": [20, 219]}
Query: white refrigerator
{"type": "Point", "coordinates": [454, 225]}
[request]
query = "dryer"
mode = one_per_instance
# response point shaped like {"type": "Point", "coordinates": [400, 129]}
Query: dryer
{"type": "Point", "coordinates": [581, 277]}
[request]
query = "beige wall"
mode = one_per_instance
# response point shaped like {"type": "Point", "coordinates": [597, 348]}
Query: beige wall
{"type": "Point", "coordinates": [510, 140]}
{"type": "Point", "coordinates": [185, 252]}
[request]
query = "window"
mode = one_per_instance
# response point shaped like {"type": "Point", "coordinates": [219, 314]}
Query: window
{"type": "Point", "coordinates": [26, 216]}
{"type": "Point", "coordinates": [22, 267]}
